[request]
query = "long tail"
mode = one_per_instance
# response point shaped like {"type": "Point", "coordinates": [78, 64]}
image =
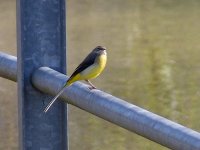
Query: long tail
{"type": "Point", "coordinates": [55, 98]}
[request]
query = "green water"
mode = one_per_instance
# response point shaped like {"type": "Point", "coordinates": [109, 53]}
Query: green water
{"type": "Point", "coordinates": [153, 62]}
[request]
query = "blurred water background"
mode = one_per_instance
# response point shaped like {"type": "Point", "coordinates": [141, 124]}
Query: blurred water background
{"type": "Point", "coordinates": [153, 62]}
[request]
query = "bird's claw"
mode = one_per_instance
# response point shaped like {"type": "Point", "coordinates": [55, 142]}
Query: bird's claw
{"type": "Point", "coordinates": [92, 87]}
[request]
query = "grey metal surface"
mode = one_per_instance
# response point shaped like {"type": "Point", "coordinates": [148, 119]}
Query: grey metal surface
{"type": "Point", "coordinates": [40, 42]}
{"type": "Point", "coordinates": [8, 66]}
{"type": "Point", "coordinates": [115, 110]}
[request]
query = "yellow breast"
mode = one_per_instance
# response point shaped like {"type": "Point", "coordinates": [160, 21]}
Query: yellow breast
{"type": "Point", "coordinates": [94, 70]}
{"type": "Point", "coordinates": [101, 61]}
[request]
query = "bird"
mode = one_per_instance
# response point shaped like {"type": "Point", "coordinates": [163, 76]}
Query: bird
{"type": "Point", "coordinates": [89, 68]}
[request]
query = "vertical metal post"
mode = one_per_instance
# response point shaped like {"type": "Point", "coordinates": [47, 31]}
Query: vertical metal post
{"type": "Point", "coordinates": [41, 42]}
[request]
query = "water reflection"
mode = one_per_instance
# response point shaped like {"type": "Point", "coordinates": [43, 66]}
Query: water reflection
{"type": "Point", "coordinates": [150, 49]}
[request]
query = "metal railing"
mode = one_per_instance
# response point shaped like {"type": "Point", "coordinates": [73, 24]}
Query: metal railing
{"type": "Point", "coordinates": [108, 107]}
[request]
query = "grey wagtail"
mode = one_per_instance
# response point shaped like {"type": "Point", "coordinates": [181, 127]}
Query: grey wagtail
{"type": "Point", "coordinates": [90, 68]}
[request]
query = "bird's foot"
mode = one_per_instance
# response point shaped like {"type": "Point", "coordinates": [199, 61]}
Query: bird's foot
{"type": "Point", "coordinates": [90, 83]}
{"type": "Point", "coordinates": [92, 87]}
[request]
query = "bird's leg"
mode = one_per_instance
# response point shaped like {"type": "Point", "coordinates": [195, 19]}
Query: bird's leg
{"type": "Point", "coordinates": [90, 83]}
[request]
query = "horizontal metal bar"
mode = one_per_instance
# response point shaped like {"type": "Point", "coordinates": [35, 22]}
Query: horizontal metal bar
{"type": "Point", "coordinates": [8, 66]}
{"type": "Point", "coordinates": [118, 111]}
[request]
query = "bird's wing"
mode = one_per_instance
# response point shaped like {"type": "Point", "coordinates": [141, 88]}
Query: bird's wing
{"type": "Point", "coordinates": [88, 61]}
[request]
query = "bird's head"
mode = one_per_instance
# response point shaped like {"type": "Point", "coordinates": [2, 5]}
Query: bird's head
{"type": "Point", "coordinates": [100, 50]}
